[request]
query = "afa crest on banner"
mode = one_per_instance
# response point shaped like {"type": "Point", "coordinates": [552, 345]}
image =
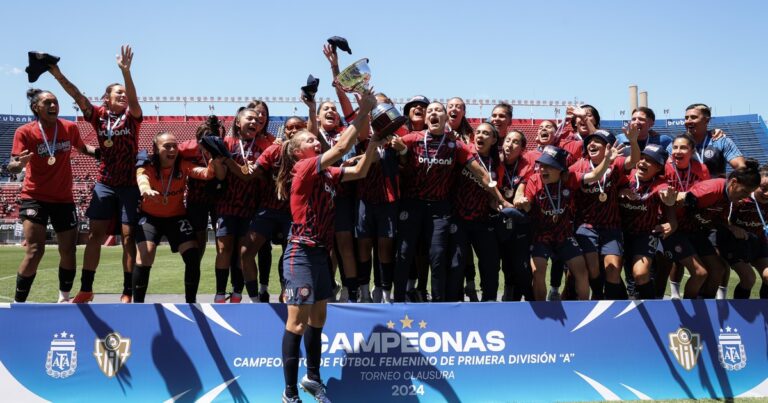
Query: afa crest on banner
{"type": "Point", "coordinates": [111, 353]}
{"type": "Point", "coordinates": [686, 347]}
{"type": "Point", "coordinates": [61, 361]}
{"type": "Point", "coordinates": [731, 352]}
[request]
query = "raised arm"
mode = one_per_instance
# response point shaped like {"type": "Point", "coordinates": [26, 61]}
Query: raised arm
{"type": "Point", "coordinates": [312, 126]}
{"type": "Point", "coordinates": [350, 134]}
{"type": "Point", "coordinates": [333, 58]}
{"type": "Point", "coordinates": [124, 60]}
{"type": "Point", "coordinates": [80, 99]}
{"type": "Point", "coordinates": [360, 170]}
{"type": "Point", "coordinates": [632, 132]}
{"type": "Point", "coordinates": [611, 153]}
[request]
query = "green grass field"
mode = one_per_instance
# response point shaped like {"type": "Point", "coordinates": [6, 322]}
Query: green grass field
{"type": "Point", "coordinates": [166, 278]}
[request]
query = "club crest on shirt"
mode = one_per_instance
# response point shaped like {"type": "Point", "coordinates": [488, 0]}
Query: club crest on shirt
{"type": "Point", "coordinates": [731, 352]}
{"type": "Point", "coordinates": [566, 192]}
{"type": "Point", "coordinates": [111, 353]}
{"type": "Point", "coordinates": [403, 215]}
{"type": "Point", "coordinates": [453, 228]}
{"type": "Point", "coordinates": [31, 212]}
{"type": "Point", "coordinates": [709, 153]}
{"type": "Point", "coordinates": [61, 361]}
{"type": "Point", "coordinates": [452, 144]}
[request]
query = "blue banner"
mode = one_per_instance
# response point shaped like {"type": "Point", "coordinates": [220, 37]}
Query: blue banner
{"type": "Point", "coordinates": [574, 351]}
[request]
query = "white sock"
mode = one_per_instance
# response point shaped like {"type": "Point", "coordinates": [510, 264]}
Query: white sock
{"type": "Point", "coordinates": [411, 285]}
{"type": "Point", "coordinates": [674, 289]}
{"type": "Point", "coordinates": [254, 299]}
{"type": "Point", "coordinates": [63, 295]}
{"type": "Point", "coordinates": [722, 292]}
{"type": "Point", "coordinates": [386, 296]}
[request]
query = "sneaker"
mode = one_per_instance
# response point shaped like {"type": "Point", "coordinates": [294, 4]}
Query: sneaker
{"type": "Point", "coordinates": [413, 296]}
{"type": "Point", "coordinates": [553, 295]}
{"type": "Point", "coordinates": [287, 399]}
{"type": "Point", "coordinates": [471, 294]}
{"type": "Point", "coordinates": [264, 297]}
{"type": "Point", "coordinates": [83, 297]}
{"type": "Point", "coordinates": [220, 298]}
{"type": "Point", "coordinates": [235, 298]}
{"type": "Point", "coordinates": [314, 388]}
{"type": "Point", "coordinates": [126, 299]}
{"type": "Point", "coordinates": [377, 295]}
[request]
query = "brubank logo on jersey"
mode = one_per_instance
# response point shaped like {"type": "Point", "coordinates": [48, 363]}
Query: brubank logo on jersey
{"type": "Point", "coordinates": [115, 133]}
{"type": "Point", "coordinates": [61, 361]}
{"type": "Point", "coordinates": [435, 160]}
{"type": "Point", "coordinates": [731, 352]}
{"type": "Point", "coordinates": [408, 336]}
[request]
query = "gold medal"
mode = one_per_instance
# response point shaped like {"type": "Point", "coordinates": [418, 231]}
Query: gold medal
{"type": "Point", "coordinates": [555, 218]}
{"type": "Point", "coordinates": [108, 143]}
{"type": "Point", "coordinates": [51, 160]}
{"type": "Point", "coordinates": [603, 197]}
{"type": "Point", "coordinates": [492, 184]}
{"type": "Point", "coordinates": [508, 194]}
{"type": "Point", "coordinates": [165, 200]}
{"type": "Point", "coordinates": [245, 169]}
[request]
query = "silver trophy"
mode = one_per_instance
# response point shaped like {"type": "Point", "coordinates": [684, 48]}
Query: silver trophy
{"type": "Point", "coordinates": [355, 78]}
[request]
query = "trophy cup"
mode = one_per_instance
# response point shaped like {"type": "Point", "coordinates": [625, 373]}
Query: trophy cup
{"type": "Point", "coordinates": [355, 78]}
{"type": "Point", "coordinates": [385, 119]}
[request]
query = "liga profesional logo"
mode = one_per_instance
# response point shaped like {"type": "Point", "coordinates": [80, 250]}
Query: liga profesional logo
{"type": "Point", "coordinates": [61, 361]}
{"type": "Point", "coordinates": [731, 352]}
{"type": "Point", "coordinates": [111, 353]}
{"type": "Point", "coordinates": [685, 346]}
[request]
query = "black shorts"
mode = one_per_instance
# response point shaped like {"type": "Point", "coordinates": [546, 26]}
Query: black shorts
{"type": "Point", "coordinates": [176, 229]}
{"type": "Point", "coordinates": [63, 215]}
{"type": "Point", "coordinates": [199, 213]}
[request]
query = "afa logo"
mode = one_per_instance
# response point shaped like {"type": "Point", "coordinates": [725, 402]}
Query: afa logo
{"type": "Point", "coordinates": [111, 353]}
{"type": "Point", "coordinates": [61, 361]}
{"type": "Point", "coordinates": [730, 350]}
{"type": "Point", "coordinates": [685, 346]}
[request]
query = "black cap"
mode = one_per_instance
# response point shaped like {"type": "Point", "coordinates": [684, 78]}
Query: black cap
{"type": "Point", "coordinates": [310, 89]}
{"type": "Point", "coordinates": [38, 64]}
{"type": "Point", "coordinates": [418, 99]}
{"type": "Point", "coordinates": [604, 135]}
{"type": "Point", "coordinates": [657, 153]}
{"type": "Point", "coordinates": [554, 157]}
{"type": "Point", "coordinates": [339, 42]}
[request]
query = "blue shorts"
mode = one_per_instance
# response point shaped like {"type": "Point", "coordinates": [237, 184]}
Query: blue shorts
{"type": "Point", "coordinates": [677, 246]}
{"type": "Point", "coordinates": [345, 214]}
{"type": "Point", "coordinates": [199, 213]}
{"type": "Point", "coordinates": [553, 250]}
{"type": "Point", "coordinates": [177, 230]}
{"type": "Point", "coordinates": [640, 245]}
{"type": "Point", "coordinates": [272, 224]}
{"type": "Point", "coordinates": [307, 274]}
{"type": "Point", "coordinates": [232, 225]}
{"type": "Point", "coordinates": [108, 200]}
{"type": "Point", "coordinates": [375, 220]}
{"type": "Point", "coordinates": [731, 249]}
{"type": "Point", "coordinates": [599, 240]}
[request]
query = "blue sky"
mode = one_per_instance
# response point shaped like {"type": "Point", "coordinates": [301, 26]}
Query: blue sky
{"type": "Point", "coordinates": [679, 51]}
